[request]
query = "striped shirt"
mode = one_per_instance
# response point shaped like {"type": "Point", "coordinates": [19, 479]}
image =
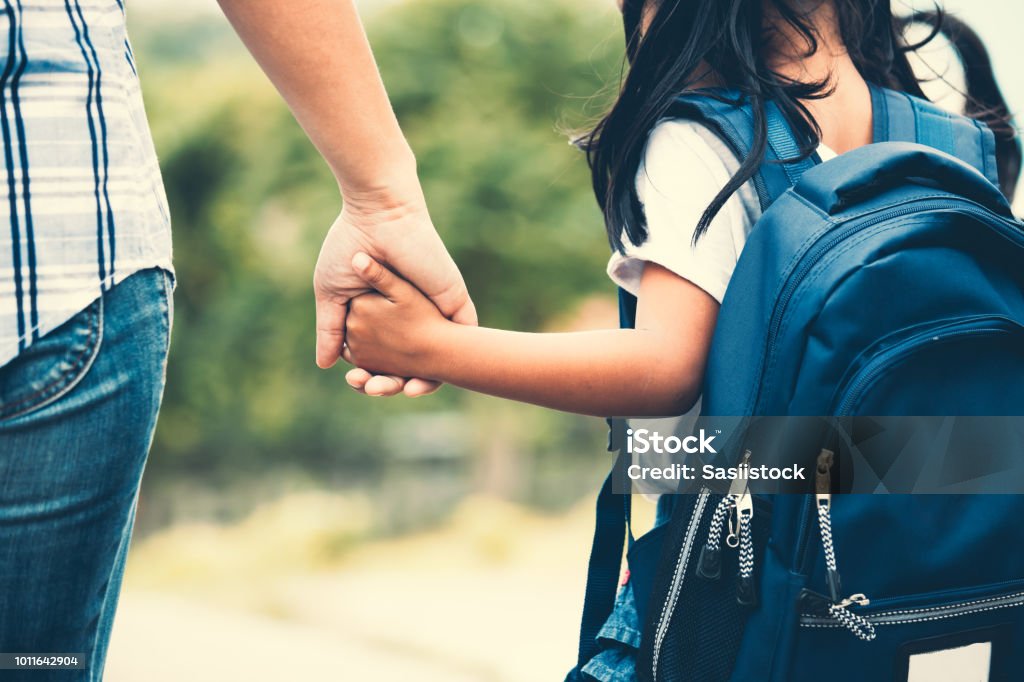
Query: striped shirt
{"type": "Point", "coordinates": [82, 204]}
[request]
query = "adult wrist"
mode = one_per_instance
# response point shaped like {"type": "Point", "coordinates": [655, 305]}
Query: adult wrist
{"type": "Point", "coordinates": [394, 188]}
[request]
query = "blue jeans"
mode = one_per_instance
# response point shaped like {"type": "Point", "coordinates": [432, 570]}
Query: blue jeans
{"type": "Point", "coordinates": [77, 413]}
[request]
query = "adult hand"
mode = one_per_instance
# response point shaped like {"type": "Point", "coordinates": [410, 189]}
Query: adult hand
{"type": "Point", "coordinates": [398, 232]}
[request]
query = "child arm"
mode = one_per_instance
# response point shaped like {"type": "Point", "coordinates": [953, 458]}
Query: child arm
{"type": "Point", "coordinates": [655, 369]}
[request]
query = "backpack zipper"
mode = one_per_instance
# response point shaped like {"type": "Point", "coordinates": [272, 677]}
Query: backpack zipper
{"type": "Point", "coordinates": [837, 614]}
{"type": "Point", "coordinates": [739, 509]}
{"type": "Point", "coordinates": [981, 325]}
{"type": "Point", "coordinates": [678, 575]}
{"type": "Point", "coordinates": [835, 606]}
{"type": "Point", "coordinates": [746, 588]}
{"type": "Point", "coordinates": [813, 615]}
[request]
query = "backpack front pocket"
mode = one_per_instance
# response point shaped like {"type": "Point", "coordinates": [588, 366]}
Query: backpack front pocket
{"type": "Point", "coordinates": [972, 351]}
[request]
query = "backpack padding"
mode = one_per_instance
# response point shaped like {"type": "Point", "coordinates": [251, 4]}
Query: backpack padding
{"type": "Point", "coordinates": [875, 168]}
{"type": "Point", "coordinates": [898, 117]}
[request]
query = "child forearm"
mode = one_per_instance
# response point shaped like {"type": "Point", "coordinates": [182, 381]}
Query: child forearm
{"type": "Point", "coordinates": [613, 372]}
{"type": "Point", "coordinates": [653, 370]}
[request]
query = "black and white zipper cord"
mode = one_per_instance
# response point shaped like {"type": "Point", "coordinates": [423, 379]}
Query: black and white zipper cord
{"type": "Point", "coordinates": [738, 509]}
{"type": "Point", "coordinates": [838, 608]}
{"type": "Point", "coordinates": [825, 525]}
{"type": "Point", "coordinates": [740, 535]}
{"type": "Point", "coordinates": [709, 565]}
{"type": "Point", "coordinates": [746, 545]}
{"type": "Point", "coordinates": [722, 512]}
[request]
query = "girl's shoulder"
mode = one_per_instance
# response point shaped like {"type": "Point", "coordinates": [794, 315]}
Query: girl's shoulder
{"type": "Point", "coordinates": [685, 160]}
{"type": "Point", "coordinates": [687, 136]}
{"type": "Point", "coordinates": [683, 168]}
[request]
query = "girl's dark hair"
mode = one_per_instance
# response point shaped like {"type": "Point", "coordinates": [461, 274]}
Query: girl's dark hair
{"type": "Point", "coordinates": [725, 38]}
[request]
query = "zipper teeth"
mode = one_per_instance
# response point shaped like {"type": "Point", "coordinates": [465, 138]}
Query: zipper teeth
{"type": "Point", "coordinates": [677, 580]}
{"type": "Point", "coordinates": [903, 349]}
{"type": "Point", "coordinates": [924, 614]}
{"type": "Point", "coordinates": [806, 264]}
{"type": "Point", "coordinates": [803, 534]}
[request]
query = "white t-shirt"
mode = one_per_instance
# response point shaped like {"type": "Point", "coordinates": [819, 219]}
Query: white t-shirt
{"type": "Point", "coordinates": [684, 167]}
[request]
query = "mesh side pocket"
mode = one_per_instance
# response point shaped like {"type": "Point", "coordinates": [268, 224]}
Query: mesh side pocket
{"type": "Point", "coordinates": [697, 640]}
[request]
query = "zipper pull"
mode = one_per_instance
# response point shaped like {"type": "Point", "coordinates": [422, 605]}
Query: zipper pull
{"type": "Point", "coordinates": [833, 607]}
{"type": "Point", "coordinates": [823, 478]}
{"type": "Point", "coordinates": [739, 484]}
{"type": "Point", "coordinates": [746, 590]}
{"type": "Point", "coordinates": [814, 604]}
{"type": "Point", "coordinates": [860, 626]}
{"type": "Point", "coordinates": [738, 489]}
{"type": "Point", "coordinates": [855, 600]}
{"type": "Point", "coordinates": [823, 497]}
{"type": "Point", "coordinates": [709, 566]}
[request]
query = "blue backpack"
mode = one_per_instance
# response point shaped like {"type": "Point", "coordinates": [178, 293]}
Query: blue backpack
{"type": "Point", "coordinates": [887, 281]}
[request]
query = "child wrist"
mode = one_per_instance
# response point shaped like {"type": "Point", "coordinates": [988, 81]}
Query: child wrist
{"type": "Point", "coordinates": [438, 350]}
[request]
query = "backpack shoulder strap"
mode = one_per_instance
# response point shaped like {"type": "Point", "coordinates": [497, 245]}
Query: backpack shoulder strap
{"type": "Point", "coordinates": [900, 117]}
{"type": "Point", "coordinates": [729, 116]}
{"type": "Point", "coordinates": [611, 528]}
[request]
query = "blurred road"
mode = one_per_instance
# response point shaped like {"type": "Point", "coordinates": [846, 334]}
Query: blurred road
{"type": "Point", "coordinates": [493, 598]}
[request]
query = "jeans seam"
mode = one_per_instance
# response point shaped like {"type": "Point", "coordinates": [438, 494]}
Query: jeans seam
{"type": "Point", "coordinates": [71, 378]}
{"type": "Point", "coordinates": [123, 543]}
{"type": "Point", "coordinates": [166, 278]}
{"type": "Point", "coordinates": [168, 286]}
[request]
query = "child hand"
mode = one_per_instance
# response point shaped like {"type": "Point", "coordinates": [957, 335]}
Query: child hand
{"type": "Point", "coordinates": [395, 330]}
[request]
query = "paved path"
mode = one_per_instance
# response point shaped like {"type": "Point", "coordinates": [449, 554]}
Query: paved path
{"type": "Point", "coordinates": [455, 606]}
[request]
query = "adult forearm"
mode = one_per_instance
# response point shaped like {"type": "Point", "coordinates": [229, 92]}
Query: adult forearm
{"type": "Point", "coordinates": [317, 55]}
{"type": "Point", "coordinates": [603, 373]}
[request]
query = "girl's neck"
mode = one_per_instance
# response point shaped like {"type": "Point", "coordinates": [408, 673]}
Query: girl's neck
{"type": "Point", "coordinates": [789, 52]}
{"type": "Point", "coordinates": [844, 115]}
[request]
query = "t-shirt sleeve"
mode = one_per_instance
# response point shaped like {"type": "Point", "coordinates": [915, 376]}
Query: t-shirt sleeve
{"type": "Point", "coordinates": [682, 171]}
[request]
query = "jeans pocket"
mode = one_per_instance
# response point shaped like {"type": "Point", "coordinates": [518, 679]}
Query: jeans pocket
{"type": "Point", "coordinates": [51, 366]}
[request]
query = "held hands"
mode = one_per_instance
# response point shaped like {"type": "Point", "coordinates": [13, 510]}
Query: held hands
{"type": "Point", "coordinates": [401, 234]}
{"type": "Point", "coordinates": [396, 330]}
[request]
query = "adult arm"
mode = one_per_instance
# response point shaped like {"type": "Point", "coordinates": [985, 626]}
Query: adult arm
{"type": "Point", "coordinates": [317, 55]}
